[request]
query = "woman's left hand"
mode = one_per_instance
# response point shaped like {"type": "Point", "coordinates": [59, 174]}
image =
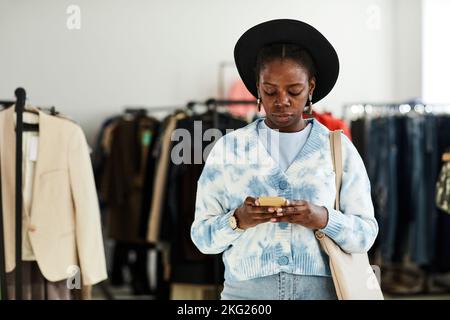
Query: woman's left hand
{"type": "Point", "coordinates": [302, 212]}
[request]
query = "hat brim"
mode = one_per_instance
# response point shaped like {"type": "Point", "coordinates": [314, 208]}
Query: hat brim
{"type": "Point", "coordinates": [293, 32]}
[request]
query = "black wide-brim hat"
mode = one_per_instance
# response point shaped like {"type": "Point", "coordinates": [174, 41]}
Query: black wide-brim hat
{"type": "Point", "coordinates": [287, 31]}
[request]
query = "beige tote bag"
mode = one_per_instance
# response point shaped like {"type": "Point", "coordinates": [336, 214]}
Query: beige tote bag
{"type": "Point", "coordinates": [353, 277]}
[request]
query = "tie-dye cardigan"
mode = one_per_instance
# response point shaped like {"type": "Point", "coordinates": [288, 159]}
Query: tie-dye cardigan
{"type": "Point", "coordinates": [239, 166]}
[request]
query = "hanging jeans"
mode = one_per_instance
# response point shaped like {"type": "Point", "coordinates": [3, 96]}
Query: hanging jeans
{"type": "Point", "coordinates": [281, 286]}
{"type": "Point", "coordinates": [431, 170]}
{"type": "Point", "coordinates": [404, 207]}
{"type": "Point", "coordinates": [418, 235]}
{"type": "Point", "coordinates": [382, 155]}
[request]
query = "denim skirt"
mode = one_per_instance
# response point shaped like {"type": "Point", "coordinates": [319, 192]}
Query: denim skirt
{"type": "Point", "coordinates": [281, 286]}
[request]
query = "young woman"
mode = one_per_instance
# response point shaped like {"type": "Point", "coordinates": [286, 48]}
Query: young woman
{"type": "Point", "coordinates": [271, 252]}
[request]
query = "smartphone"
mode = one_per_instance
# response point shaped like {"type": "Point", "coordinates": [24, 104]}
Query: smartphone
{"type": "Point", "coordinates": [272, 201]}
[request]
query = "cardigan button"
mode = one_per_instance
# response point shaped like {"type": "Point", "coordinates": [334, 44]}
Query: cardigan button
{"type": "Point", "coordinates": [283, 185]}
{"type": "Point", "coordinates": [282, 261]}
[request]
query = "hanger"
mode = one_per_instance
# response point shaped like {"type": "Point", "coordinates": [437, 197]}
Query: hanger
{"type": "Point", "coordinates": [6, 103]}
{"type": "Point", "coordinates": [30, 127]}
{"type": "Point", "coordinates": [51, 111]}
{"type": "Point", "coordinates": [131, 114]}
{"type": "Point", "coordinates": [136, 111]}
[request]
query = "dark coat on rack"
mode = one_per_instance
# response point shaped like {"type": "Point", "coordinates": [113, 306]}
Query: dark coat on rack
{"type": "Point", "coordinates": [124, 183]}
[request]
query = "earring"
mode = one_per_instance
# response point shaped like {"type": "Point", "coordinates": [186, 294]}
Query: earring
{"type": "Point", "coordinates": [258, 103]}
{"type": "Point", "coordinates": [310, 108]}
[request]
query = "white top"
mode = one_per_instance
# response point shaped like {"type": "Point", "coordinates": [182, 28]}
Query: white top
{"type": "Point", "coordinates": [283, 147]}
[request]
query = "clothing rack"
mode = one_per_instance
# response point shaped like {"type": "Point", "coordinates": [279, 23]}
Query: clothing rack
{"type": "Point", "coordinates": [137, 111]}
{"type": "Point", "coordinates": [20, 106]}
{"type": "Point", "coordinates": [358, 110]}
{"type": "Point", "coordinates": [212, 105]}
{"type": "Point", "coordinates": [20, 94]}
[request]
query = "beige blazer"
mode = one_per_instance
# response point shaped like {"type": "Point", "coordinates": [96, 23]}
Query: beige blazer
{"type": "Point", "coordinates": [64, 228]}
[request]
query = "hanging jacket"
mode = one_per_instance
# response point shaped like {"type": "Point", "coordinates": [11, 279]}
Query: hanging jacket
{"type": "Point", "coordinates": [64, 226]}
{"type": "Point", "coordinates": [124, 183]}
{"type": "Point", "coordinates": [443, 188]}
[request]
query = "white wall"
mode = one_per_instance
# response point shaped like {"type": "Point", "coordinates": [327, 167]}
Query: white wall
{"type": "Point", "coordinates": [436, 51]}
{"type": "Point", "coordinates": [408, 49]}
{"type": "Point", "coordinates": [166, 52]}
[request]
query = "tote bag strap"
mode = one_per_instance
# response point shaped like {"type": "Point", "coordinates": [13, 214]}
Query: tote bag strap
{"type": "Point", "coordinates": [336, 155]}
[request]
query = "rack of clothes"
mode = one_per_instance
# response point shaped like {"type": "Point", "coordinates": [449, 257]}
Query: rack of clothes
{"type": "Point", "coordinates": [45, 246]}
{"type": "Point", "coordinates": [123, 169]}
{"type": "Point", "coordinates": [402, 146]}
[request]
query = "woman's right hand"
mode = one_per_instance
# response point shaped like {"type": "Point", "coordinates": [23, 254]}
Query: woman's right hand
{"type": "Point", "coordinates": [250, 213]}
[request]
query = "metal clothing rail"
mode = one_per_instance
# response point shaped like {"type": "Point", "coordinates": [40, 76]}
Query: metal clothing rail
{"type": "Point", "coordinates": [358, 109]}
{"type": "Point", "coordinates": [142, 108]}
{"type": "Point", "coordinates": [21, 97]}
{"type": "Point", "coordinates": [220, 102]}
{"type": "Point", "coordinates": [19, 109]}
{"type": "Point", "coordinates": [213, 104]}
